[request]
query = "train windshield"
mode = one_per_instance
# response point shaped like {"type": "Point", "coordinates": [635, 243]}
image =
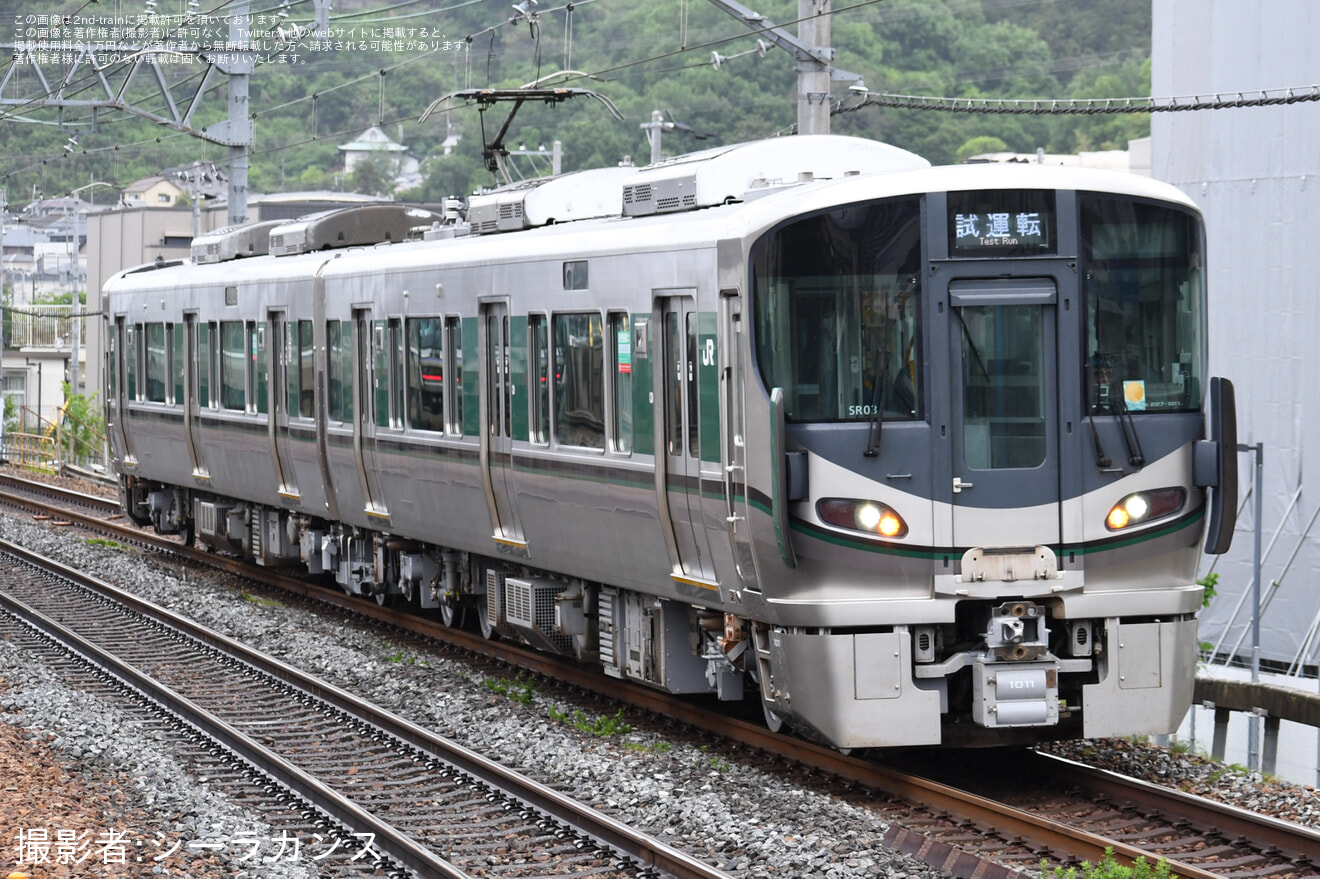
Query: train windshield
{"type": "Point", "coordinates": [837, 312]}
{"type": "Point", "coordinates": [1145, 300]}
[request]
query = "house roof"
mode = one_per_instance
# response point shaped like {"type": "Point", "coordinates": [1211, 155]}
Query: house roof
{"type": "Point", "coordinates": [373, 140]}
{"type": "Point", "coordinates": [146, 183]}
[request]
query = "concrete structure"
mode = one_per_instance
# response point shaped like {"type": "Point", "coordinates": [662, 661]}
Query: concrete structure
{"type": "Point", "coordinates": [1255, 172]}
{"type": "Point", "coordinates": [41, 261]}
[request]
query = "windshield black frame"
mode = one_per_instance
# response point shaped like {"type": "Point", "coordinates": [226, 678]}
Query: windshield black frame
{"type": "Point", "coordinates": [838, 322]}
{"type": "Point", "coordinates": [1144, 288]}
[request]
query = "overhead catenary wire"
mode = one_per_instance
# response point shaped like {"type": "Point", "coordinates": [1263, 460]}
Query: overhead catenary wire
{"type": "Point", "coordinates": [1090, 106]}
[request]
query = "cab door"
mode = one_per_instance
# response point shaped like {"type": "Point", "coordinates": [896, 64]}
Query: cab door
{"type": "Point", "coordinates": [498, 396]}
{"type": "Point", "coordinates": [680, 436]}
{"type": "Point", "coordinates": [1004, 412]}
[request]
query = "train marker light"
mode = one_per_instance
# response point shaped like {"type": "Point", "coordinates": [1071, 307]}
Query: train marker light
{"type": "Point", "coordinates": [871, 517]}
{"type": "Point", "coordinates": [1144, 506]}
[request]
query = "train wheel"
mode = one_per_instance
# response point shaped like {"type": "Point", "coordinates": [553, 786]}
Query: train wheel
{"type": "Point", "coordinates": [453, 615]}
{"type": "Point", "coordinates": [488, 630]}
{"type": "Point", "coordinates": [385, 599]}
{"type": "Point", "coordinates": [773, 721]}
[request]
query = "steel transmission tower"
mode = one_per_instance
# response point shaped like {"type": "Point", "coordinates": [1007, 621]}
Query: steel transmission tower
{"type": "Point", "coordinates": [88, 84]}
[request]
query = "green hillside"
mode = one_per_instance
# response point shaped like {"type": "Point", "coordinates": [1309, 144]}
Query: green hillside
{"type": "Point", "coordinates": [387, 61]}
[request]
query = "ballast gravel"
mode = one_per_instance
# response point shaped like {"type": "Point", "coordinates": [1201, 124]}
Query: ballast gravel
{"type": "Point", "coordinates": [738, 817]}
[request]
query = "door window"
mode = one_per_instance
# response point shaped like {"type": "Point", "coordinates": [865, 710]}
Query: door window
{"type": "Point", "coordinates": [1003, 386]}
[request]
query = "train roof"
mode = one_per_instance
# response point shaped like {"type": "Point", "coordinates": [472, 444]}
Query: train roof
{"type": "Point", "coordinates": [617, 234]}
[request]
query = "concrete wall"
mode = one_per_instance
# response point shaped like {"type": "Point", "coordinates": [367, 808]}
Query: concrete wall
{"type": "Point", "coordinates": [122, 238]}
{"type": "Point", "coordinates": [1255, 172]}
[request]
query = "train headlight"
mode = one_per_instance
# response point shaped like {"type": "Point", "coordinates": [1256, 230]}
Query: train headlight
{"type": "Point", "coordinates": [1144, 506]}
{"type": "Point", "coordinates": [872, 517]}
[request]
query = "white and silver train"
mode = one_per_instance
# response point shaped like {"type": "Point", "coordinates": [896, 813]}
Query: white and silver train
{"type": "Point", "coordinates": [914, 455]}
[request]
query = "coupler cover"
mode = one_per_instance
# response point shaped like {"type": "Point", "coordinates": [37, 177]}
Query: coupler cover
{"type": "Point", "coordinates": [1015, 693]}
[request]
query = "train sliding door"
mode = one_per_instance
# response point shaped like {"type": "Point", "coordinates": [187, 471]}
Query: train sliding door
{"type": "Point", "coordinates": [497, 401]}
{"type": "Point", "coordinates": [121, 388]}
{"type": "Point", "coordinates": [1005, 405]}
{"type": "Point", "coordinates": [369, 343]}
{"type": "Point", "coordinates": [192, 364]}
{"type": "Point", "coordinates": [680, 451]}
{"type": "Point", "coordinates": [280, 363]}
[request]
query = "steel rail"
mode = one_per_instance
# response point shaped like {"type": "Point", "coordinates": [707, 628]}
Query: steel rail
{"type": "Point", "coordinates": [59, 491]}
{"type": "Point", "coordinates": [1292, 841]}
{"type": "Point", "coordinates": [618, 836]}
{"type": "Point", "coordinates": [386, 839]}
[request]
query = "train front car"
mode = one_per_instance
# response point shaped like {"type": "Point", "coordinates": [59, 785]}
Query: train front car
{"type": "Point", "coordinates": [984, 485]}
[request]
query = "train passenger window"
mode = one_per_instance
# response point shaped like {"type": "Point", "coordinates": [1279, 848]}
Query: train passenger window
{"type": "Point", "coordinates": [498, 376]}
{"type": "Point", "coordinates": [396, 345]}
{"type": "Point", "coordinates": [426, 374]}
{"type": "Point", "coordinates": [306, 351]}
{"type": "Point", "coordinates": [212, 367]}
{"type": "Point", "coordinates": [339, 369]}
{"type": "Point", "coordinates": [286, 363]}
{"type": "Point", "coordinates": [176, 364]}
{"type": "Point", "coordinates": [454, 364]}
{"type": "Point", "coordinates": [837, 312]}
{"type": "Point", "coordinates": [112, 360]}
{"type": "Point", "coordinates": [132, 333]}
{"type": "Point", "coordinates": [538, 339]}
{"type": "Point", "coordinates": [256, 331]}
{"type": "Point", "coordinates": [693, 345]}
{"type": "Point", "coordinates": [156, 375]}
{"type": "Point", "coordinates": [334, 396]}
{"type": "Point", "coordinates": [621, 356]}
{"type": "Point", "coordinates": [203, 365]}
{"type": "Point", "coordinates": [233, 366]}
{"type": "Point", "coordinates": [380, 380]}
{"type": "Point", "coordinates": [673, 384]}
{"type": "Point", "coordinates": [1145, 306]}
{"type": "Point", "coordinates": [580, 380]}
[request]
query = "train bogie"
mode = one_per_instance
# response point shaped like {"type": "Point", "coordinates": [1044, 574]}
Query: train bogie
{"type": "Point", "coordinates": [912, 457]}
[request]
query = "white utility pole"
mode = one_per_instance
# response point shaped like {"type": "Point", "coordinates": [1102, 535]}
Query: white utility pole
{"type": "Point", "coordinates": [653, 129]}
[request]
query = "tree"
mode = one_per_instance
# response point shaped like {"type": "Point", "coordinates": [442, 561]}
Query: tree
{"type": "Point", "coordinates": [372, 176]}
{"type": "Point", "coordinates": [978, 146]}
{"type": "Point", "coordinates": [82, 427]}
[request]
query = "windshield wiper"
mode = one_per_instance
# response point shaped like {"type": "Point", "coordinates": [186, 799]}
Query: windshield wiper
{"type": "Point", "coordinates": [1101, 456]}
{"type": "Point", "coordinates": [1135, 456]}
{"type": "Point", "coordinates": [879, 398]}
{"type": "Point", "coordinates": [880, 392]}
{"type": "Point", "coordinates": [971, 343]}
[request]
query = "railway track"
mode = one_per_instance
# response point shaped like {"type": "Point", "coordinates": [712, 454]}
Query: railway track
{"type": "Point", "coordinates": [59, 496]}
{"type": "Point", "coordinates": [998, 822]}
{"type": "Point", "coordinates": [412, 793]}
